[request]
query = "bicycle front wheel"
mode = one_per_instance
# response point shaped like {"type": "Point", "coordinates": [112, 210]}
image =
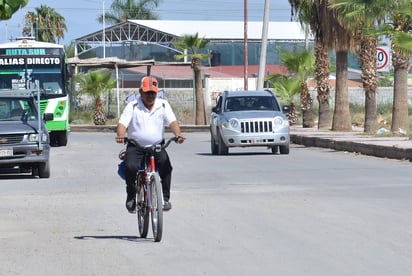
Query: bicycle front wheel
{"type": "Point", "coordinates": [156, 197]}
{"type": "Point", "coordinates": [142, 211]}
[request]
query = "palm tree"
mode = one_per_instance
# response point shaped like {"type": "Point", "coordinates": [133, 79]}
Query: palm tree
{"type": "Point", "coordinates": [9, 7]}
{"type": "Point", "coordinates": [191, 45]}
{"type": "Point", "coordinates": [401, 19]}
{"type": "Point", "coordinates": [46, 24]}
{"type": "Point", "coordinates": [361, 16]}
{"type": "Point", "coordinates": [301, 64]}
{"type": "Point", "coordinates": [122, 10]}
{"type": "Point", "coordinates": [329, 34]}
{"type": "Point", "coordinates": [95, 83]}
{"type": "Point", "coordinates": [286, 88]}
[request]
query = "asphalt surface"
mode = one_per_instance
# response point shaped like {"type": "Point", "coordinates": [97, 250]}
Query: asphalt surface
{"type": "Point", "coordinates": [385, 146]}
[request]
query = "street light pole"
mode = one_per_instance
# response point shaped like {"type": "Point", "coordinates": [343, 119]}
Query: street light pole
{"type": "Point", "coordinates": [263, 49]}
{"type": "Point", "coordinates": [245, 83]}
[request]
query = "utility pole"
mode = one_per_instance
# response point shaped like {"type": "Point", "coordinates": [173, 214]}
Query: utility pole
{"type": "Point", "coordinates": [245, 83]}
{"type": "Point", "coordinates": [262, 61]}
{"type": "Point", "coordinates": [104, 33]}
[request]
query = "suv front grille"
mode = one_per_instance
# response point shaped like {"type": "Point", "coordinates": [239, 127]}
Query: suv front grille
{"type": "Point", "coordinates": [256, 126]}
{"type": "Point", "coordinates": [7, 139]}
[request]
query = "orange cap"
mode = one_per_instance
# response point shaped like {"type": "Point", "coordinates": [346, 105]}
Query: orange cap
{"type": "Point", "coordinates": [149, 84]}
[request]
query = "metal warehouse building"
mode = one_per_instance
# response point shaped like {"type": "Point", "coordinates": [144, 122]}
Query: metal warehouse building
{"type": "Point", "coordinates": [136, 40]}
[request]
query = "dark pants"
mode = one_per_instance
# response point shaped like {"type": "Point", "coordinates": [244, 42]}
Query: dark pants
{"type": "Point", "coordinates": [134, 157]}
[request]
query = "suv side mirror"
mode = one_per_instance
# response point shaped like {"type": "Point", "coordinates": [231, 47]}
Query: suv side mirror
{"type": "Point", "coordinates": [216, 109]}
{"type": "Point", "coordinates": [286, 109]}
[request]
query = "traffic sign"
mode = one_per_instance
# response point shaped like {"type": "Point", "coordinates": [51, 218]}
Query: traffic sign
{"type": "Point", "coordinates": [382, 59]}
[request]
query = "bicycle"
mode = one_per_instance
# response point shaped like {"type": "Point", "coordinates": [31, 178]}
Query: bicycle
{"type": "Point", "coordinates": [149, 195]}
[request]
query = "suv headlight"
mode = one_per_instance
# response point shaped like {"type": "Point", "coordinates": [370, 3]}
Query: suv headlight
{"type": "Point", "coordinates": [279, 121]}
{"type": "Point", "coordinates": [232, 123]}
{"type": "Point", "coordinates": [35, 137]}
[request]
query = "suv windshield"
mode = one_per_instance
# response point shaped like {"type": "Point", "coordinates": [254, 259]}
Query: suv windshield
{"type": "Point", "coordinates": [251, 103]}
{"type": "Point", "coordinates": [12, 109]}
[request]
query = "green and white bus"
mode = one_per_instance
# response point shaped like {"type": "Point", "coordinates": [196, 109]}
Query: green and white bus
{"type": "Point", "coordinates": [24, 63]}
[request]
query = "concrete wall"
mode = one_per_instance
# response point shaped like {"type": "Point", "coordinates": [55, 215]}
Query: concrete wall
{"type": "Point", "coordinates": [183, 100]}
{"type": "Point", "coordinates": [357, 95]}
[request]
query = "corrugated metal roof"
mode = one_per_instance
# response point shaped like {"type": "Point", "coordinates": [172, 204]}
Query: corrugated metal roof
{"type": "Point", "coordinates": [226, 30]}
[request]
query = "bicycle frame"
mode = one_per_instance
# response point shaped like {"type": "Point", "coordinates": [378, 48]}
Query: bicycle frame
{"type": "Point", "coordinates": [148, 170]}
{"type": "Point", "coordinates": [151, 201]}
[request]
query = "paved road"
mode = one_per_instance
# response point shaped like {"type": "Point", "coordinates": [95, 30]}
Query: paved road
{"type": "Point", "coordinates": [312, 212]}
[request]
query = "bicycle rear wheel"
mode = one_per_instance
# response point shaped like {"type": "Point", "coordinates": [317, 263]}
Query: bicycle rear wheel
{"type": "Point", "coordinates": [156, 197]}
{"type": "Point", "coordinates": [142, 211]}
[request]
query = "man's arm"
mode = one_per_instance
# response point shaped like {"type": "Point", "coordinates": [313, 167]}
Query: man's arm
{"type": "Point", "coordinates": [121, 133]}
{"type": "Point", "coordinates": [174, 126]}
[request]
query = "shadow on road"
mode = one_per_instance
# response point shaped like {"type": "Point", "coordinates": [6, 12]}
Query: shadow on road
{"type": "Point", "coordinates": [236, 153]}
{"type": "Point", "coordinates": [125, 238]}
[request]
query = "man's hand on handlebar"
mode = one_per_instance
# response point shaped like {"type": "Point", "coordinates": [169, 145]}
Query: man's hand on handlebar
{"type": "Point", "coordinates": [120, 140]}
{"type": "Point", "coordinates": [180, 139]}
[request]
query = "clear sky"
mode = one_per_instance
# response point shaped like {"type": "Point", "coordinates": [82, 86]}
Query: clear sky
{"type": "Point", "coordinates": [81, 15]}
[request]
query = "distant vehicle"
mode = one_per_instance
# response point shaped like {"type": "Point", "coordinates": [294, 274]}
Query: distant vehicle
{"type": "Point", "coordinates": [25, 61]}
{"type": "Point", "coordinates": [24, 139]}
{"type": "Point", "coordinates": [248, 119]}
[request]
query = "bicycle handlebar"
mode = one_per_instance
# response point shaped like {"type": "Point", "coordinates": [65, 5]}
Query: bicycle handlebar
{"type": "Point", "coordinates": [165, 145]}
{"type": "Point", "coordinates": [153, 147]}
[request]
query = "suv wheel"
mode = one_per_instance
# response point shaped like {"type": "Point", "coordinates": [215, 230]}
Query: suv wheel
{"type": "Point", "coordinates": [284, 149]}
{"type": "Point", "coordinates": [274, 149]}
{"type": "Point", "coordinates": [213, 145]}
{"type": "Point", "coordinates": [222, 148]}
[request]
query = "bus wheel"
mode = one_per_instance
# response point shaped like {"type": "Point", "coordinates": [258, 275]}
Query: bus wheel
{"type": "Point", "coordinates": [62, 138]}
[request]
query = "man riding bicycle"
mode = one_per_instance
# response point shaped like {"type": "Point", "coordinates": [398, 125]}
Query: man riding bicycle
{"type": "Point", "coordinates": [144, 119]}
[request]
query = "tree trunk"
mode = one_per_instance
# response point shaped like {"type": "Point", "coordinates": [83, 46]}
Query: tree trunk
{"type": "Point", "coordinates": [306, 103]}
{"type": "Point", "coordinates": [200, 116]}
{"type": "Point", "coordinates": [291, 115]}
{"type": "Point", "coordinates": [341, 116]}
{"type": "Point", "coordinates": [400, 119]}
{"type": "Point", "coordinates": [99, 118]}
{"type": "Point", "coordinates": [369, 81]}
{"type": "Point", "coordinates": [322, 81]}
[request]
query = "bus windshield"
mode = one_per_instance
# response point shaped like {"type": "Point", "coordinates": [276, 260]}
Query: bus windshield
{"type": "Point", "coordinates": [50, 81]}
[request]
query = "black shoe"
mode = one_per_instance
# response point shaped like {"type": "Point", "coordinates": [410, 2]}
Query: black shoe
{"type": "Point", "coordinates": [167, 206]}
{"type": "Point", "coordinates": [131, 204]}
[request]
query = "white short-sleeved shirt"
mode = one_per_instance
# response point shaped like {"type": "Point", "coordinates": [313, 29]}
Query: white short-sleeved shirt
{"type": "Point", "coordinates": [144, 126]}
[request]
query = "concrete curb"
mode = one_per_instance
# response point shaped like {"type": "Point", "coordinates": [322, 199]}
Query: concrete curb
{"type": "Point", "coordinates": [384, 151]}
{"type": "Point", "coordinates": [349, 142]}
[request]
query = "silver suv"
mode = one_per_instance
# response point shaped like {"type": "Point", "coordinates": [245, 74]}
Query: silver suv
{"type": "Point", "coordinates": [248, 119]}
{"type": "Point", "coordinates": [24, 140]}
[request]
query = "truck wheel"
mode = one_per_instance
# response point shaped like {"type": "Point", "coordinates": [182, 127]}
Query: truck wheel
{"type": "Point", "coordinates": [44, 170]}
